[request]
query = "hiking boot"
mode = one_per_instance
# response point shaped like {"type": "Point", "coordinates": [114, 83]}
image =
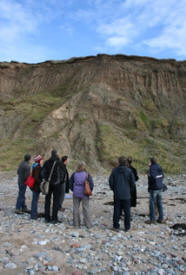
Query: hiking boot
{"type": "Point", "coordinates": [26, 210]}
{"type": "Point", "coordinates": [56, 221]}
{"type": "Point", "coordinates": [19, 211]}
{"type": "Point", "coordinates": [115, 229]}
{"type": "Point", "coordinates": [41, 215]}
{"type": "Point", "coordinates": [150, 222]}
{"type": "Point", "coordinates": [161, 221]}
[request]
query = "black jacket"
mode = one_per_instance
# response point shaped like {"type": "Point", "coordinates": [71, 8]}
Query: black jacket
{"type": "Point", "coordinates": [121, 181]}
{"type": "Point", "coordinates": [155, 177]}
{"type": "Point", "coordinates": [66, 177]}
{"type": "Point", "coordinates": [36, 174]}
{"type": "Point", "coordinates": [61, 173]}
{"type": "Point", "coordinates": [135, 173]}
{"type": "Point", "coordinates": [134, 192]}
{"type": "Point", "coordinates": [23, 172]}
{"type": "Point", "coordinates": [47, 167]}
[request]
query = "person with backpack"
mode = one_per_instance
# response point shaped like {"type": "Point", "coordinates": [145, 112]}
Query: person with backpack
{"type": "Point", "coordinates": [65, 184]}
{"type": "Point", "coordinates": [23, 173]}
{"type": "Point", "coordinates": [121, 182]}
{"type": "Point", "coordinates": [36, 174]}
{"type": "Point", "coordinates": [155, 188]}
{"type": "Point", "coordinates": [57, 177]}
{"type": "Point", "coordinates": [77, 185]}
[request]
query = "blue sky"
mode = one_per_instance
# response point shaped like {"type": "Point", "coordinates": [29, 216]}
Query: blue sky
{"type": "Point", "coordinates": [37, 30]}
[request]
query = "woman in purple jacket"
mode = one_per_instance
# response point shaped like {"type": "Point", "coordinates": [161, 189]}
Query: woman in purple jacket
{"type": "Point", "coordinates": [77, 185]}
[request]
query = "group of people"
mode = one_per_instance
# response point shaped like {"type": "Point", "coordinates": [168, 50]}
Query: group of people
{"type": "Point", "coordinates": [122, 182]}
{"type": "Point", "coordinates": [59, 184]}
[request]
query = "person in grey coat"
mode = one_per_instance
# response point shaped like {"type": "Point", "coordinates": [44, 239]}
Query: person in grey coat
{"type": "Point", "coordinates": [23, 173]}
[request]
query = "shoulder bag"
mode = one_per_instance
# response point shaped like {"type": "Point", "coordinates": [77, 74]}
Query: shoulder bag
{"type": "Point", "coordinates": [87, 189]}
{"type": "Point", "coordinates": [44, 187]}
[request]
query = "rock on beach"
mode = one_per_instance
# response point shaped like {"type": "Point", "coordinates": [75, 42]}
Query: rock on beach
{"type": "Point", "coordinates": [35, 247]}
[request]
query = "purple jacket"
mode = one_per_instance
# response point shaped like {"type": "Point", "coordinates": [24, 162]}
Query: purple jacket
{"type": "Point", "coordinates": [77, 183]}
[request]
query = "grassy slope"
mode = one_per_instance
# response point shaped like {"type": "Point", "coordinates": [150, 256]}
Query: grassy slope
{"type": "Point", "coordinates": [34, 109]}
{"type": "Point", "coordinates": [113, 141]}
{"type": "Point", "coordinates": [149, 135]}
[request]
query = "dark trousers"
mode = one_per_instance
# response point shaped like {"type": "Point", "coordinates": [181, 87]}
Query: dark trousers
{"type": "Point", "coordinates": [54, 190]}
{"type": "Point", "coordinates": [35, 198]}
{"type": "Point", "coordinates": [118, 206]}
{"type": "Point", "coordinates": [20, 204]}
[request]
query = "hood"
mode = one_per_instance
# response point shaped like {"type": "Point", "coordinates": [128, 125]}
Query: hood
{"type": "Point", "coordinates": [121, 169]}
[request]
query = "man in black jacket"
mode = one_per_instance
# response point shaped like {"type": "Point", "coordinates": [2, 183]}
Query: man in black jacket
{"type": "Point", "coordinates": [121, 181]}
{"type": "Point", "coordinates": [23, 173]}
{"type": "Point", "coordinates": [54, 186]}
{"type": "Point", "coordinates": [155, 187]}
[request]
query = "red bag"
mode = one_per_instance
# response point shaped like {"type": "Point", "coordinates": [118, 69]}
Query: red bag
{"type": "Point", "coordinates": [30, 181]}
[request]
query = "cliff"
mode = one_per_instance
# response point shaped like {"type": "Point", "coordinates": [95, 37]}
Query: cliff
{"type": "Point", "coordinates": [95, 109]}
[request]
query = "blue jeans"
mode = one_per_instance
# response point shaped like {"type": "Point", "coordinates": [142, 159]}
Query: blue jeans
{"type": "Point", "coordinates": [20, 204]}
{"type": "Point", "coordinates": [156, 199]}
{"type": "Point", "coordinates": [35, 198]}
{"type": "Point", "coordinates": [120, 205]}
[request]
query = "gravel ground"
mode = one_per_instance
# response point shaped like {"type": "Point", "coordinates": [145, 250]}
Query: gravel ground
{"type": "Point", "coordinates": [34, 247]}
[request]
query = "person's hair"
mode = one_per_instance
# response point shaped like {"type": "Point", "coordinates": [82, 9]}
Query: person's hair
{"type": "Point", "coordinates": [27, 157]}
{"type": "Point", "coordinates": [54, 155]}
{"type": "Point", "coordinates": [81, 166]}
{"type": "Point", "coordinates": [152, 160]}
{"type": "Point", "coordinates": [64, 158]}
{"type": "Point", "coordinates": [122, 160]}
{"type": "Point", "coordinates": [129, 159]}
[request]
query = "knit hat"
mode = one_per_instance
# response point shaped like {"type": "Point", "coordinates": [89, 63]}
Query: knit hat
{"type": "Point", "coordinates": [38, 158]}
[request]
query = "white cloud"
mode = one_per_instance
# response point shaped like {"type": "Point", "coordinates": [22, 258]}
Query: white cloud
{"type": "Point", "coordinates": [172, 35]}
{"type": "Point", "coordinates": [156, 26]}
{"type": "Point", "coordinates": [117, 41]}
{"type": "Point", "coordinates": [19, 23]}
{"type": "Point", "coordinates": [117, 32]}
{"type": "Point", "coordinates": [119, 27]}
{"type": "Point", "coordinates": [160, 25]}
{"type": "Point", "coordinates": [15, 20]}
{"type": "Point", "coordinates": [171, 38]}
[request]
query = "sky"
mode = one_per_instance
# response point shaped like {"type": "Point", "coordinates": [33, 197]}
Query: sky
{"type": "Point", "coordinates": [34, 31]}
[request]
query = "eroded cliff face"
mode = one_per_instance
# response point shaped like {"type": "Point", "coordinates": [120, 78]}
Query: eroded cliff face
{"type": "Point", "coordinates": [95, 109]}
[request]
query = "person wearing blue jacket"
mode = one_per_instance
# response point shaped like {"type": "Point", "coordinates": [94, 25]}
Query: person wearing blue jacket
{"type": "Point", "coordinates": [155, 188]}
{"type": "Point", "coordinates": [122, 183]}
